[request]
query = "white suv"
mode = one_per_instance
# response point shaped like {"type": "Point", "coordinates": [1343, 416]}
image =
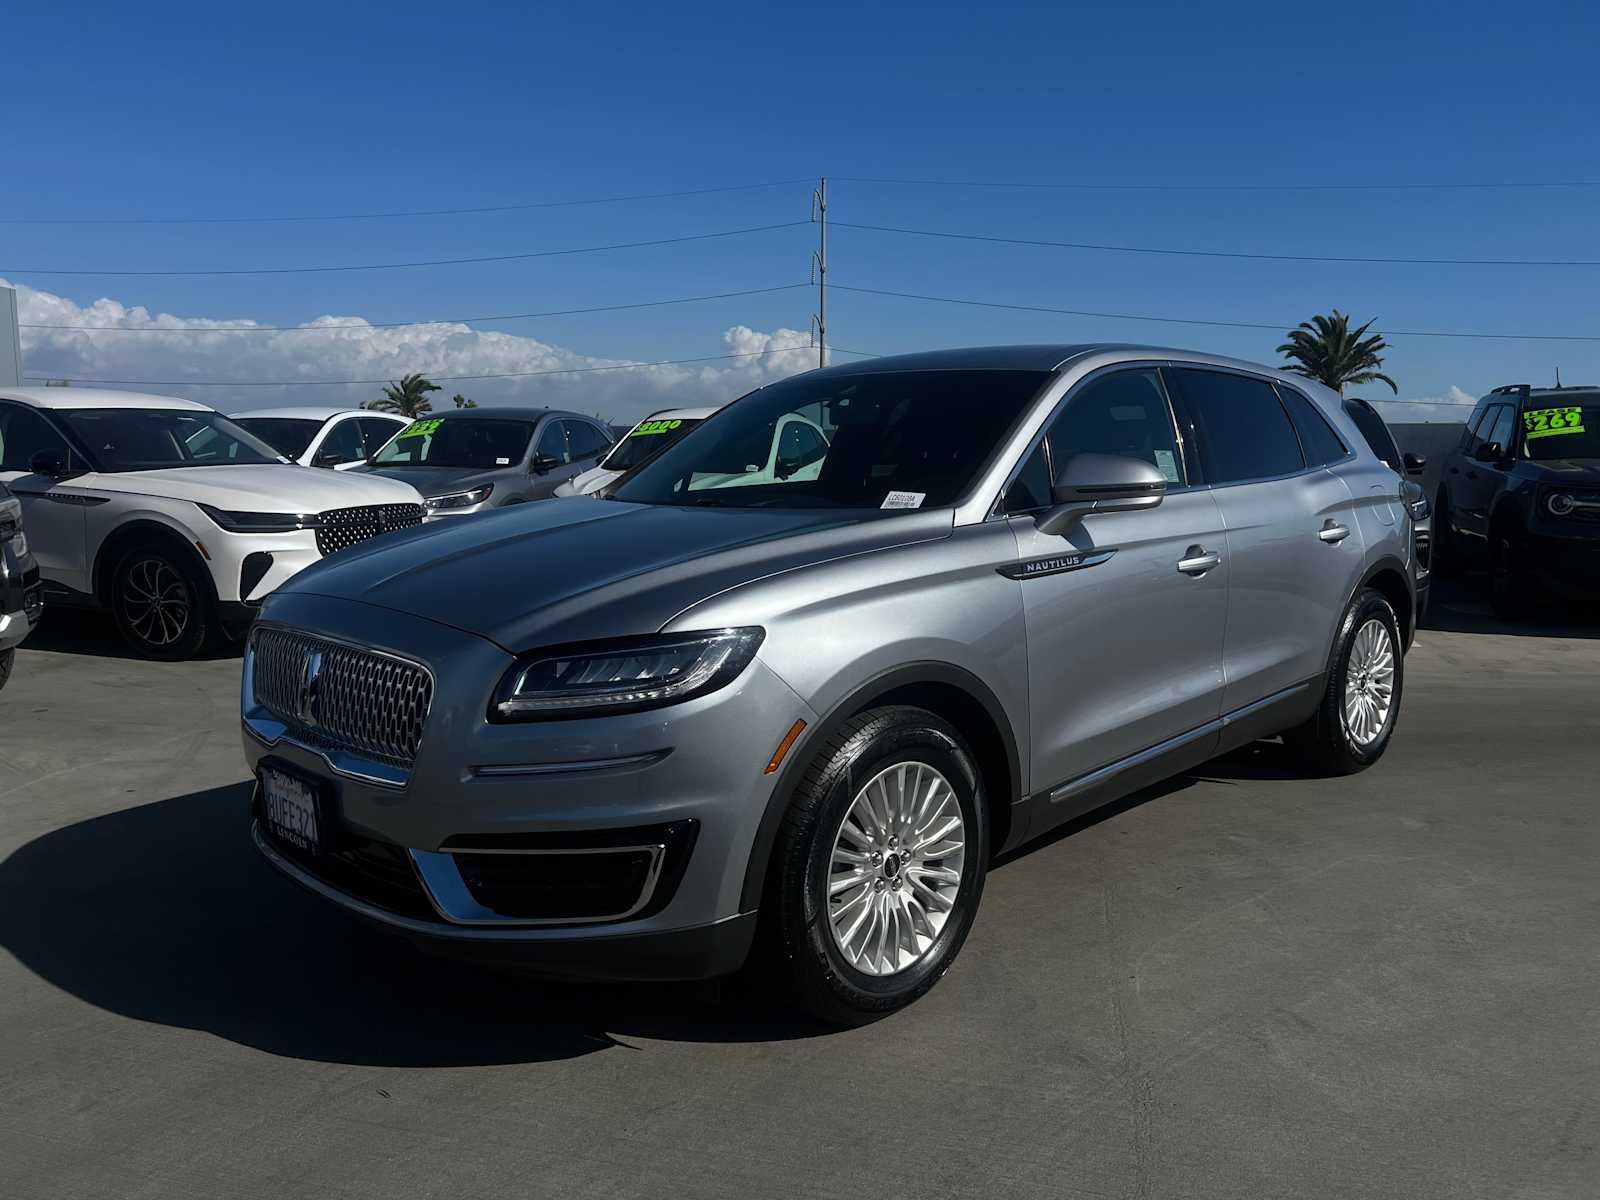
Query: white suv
{"type": "Point", "coordinates": [170, 515]}
{"type": "Point", "coordinates": [340, 438]}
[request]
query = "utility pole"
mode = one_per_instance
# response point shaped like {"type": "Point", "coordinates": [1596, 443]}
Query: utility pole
{"type": "Point", "coordinates": [819, 268]}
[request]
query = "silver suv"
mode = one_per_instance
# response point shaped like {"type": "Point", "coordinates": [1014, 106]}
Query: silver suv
{"type": "Point", "coordinates": [598, 739]}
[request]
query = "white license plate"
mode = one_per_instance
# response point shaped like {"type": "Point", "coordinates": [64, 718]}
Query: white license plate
{"type": "Point", "coordinates": [290, 808]}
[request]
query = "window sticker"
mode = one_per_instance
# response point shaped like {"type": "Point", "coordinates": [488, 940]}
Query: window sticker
{"type": "Point", "coordinates": [1552, 422]}
{"type": "Point", "coordinates": [1167, 464]}
{"type": "Point", "coordinates": [904, 500]}
{"type": "Point", "coordinates": [502, 462]}
{"type": "Point", "coordinates": [420, 428]}
{"type": "Point", "coordinates": [648, 427]}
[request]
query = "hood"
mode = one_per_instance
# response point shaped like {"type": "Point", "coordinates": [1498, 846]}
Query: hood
{"type": "Point", "coordinates": [437, 481]}
{"type": "Point", "coordinates": [579, 569]}
{"type": "Point", "coordinates": [1566, 470]}
{"type": "Point", "coordinates": [272, 487]}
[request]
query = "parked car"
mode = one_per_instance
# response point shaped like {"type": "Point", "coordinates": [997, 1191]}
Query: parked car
{"type": "Point", "coordinates": [598, 738]}
{"type": "Point", "coordinates": [170, 515]}
{"type": "Point", "coordinates": [1521, 493]}
{"type": "Point", "coordinates": [21, 598]}
{"type": "Point", "coordinates": [340, 438]}
{"type": "Point", "coordinates": [650, 436]}
{"type": "Point", "coordinates": [1380, 440]}
{"type": "Point", "coordinates": [480, 458]}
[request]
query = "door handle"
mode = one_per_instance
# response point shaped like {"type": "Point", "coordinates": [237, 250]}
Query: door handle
{"type": "Point", "coordinates": [1197, 560]}
{"type": "Point", "coordinates": [1332, 532]}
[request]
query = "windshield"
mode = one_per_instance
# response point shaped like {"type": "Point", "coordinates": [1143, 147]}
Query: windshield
{"type": "Point", "coordinates": [289, 436]}
{"type": "Point", "coordinates": [473, 442]}
{"type": "Point", "coordinates": [151, 439]}
{"type": "Point", "coordinates": [1561, 431]}
{"type": "Point", "coordinates": [896, 440]}
{"type": "Point", "coordinates": [647, 438]}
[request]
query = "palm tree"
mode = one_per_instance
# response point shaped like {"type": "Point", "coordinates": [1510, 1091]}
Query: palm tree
{"type": "Point", "coordinates": [1328, 350]}
{"type": "Point", "coordinates": [409, 397]}
{"type": "Point", "coordinates": [462, 402]}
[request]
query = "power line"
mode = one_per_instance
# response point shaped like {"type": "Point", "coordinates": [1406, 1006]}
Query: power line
{"type": "Point", "coordinates": [1275, 326]}
{"type": "Point", "coordinates": [438, 262]}
{"type": "Point", "coordinates": [1223, 187]}
{"type": "Point", "coordinates": [638, 366]}
{"type": "Point", "coordinates": [554, 312]}
{"type": "Point", "coordinates": [1318, 258]}
{"type": "Point", "coordinates": [380, 216]}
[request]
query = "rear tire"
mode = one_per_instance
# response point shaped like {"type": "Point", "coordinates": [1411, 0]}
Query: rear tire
{"type": "Point", "coordinates": [1361, 702]}
{"type": "Point", "coordinates": [162, 608]}
{"type": "Point", "coordinates": [879, 865]}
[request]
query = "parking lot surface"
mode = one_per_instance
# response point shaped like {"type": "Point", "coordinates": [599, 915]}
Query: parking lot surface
{"type": "Point", "coordinates": [1242, 983]}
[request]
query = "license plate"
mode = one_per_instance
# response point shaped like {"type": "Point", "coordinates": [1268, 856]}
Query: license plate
{"type": "Point", "coordinates": [290, 808]}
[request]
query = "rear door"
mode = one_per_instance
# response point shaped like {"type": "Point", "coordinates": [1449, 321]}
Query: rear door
{"type": "Point", "coordinates": [1294, 548]}
{"type": "Point", "coordinates": [1124, 647]}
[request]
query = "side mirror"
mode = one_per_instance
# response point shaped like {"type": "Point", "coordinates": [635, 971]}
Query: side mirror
{"type": "Point", "coordinates": [328, 458]}
{"type": "Point", "coordinates": [1489, 452]}
{"type": "Point", "coordinates": [48, 462]}
{"type": "Point", "coordinates": [1415, 464]}
{"type": "Point", "coordinates": [1100, 483]}
{"type": "Point", "coordinates": [543, 464]}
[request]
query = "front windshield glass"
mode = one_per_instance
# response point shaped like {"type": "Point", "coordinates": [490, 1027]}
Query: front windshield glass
{"type": "Point", "coordinates": [647, 438]}
{"type": "Point", "coordinates": [485, 443]}
{"type": "Point", "coordinates": [1552, 431]}
{"type": "Point", "coordinates": [895, 440]}
{"type": "Point", "coordinates": [289, 436]}
{"type": "Point", "coordinates": [152, 439]}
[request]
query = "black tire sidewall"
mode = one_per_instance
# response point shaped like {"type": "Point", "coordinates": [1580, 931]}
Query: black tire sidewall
{"type": "Point", "coordinates": [8, 659]}
{"type": "Point", "coordinates": [1367, 605]}
{"type": "Point", "coordinates": [197, 632]}
{"type": "Point", "coordinates": [888, 737]}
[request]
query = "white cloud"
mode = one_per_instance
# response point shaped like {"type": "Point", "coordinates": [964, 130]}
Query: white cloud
{"type": "Point", "coordinates": [1454, 405]}
{"type": "Point", "coordinates": [195, 349]}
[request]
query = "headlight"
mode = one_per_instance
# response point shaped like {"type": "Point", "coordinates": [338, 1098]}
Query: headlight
{"type": "Point", "coordinates": [254, 522]}
{"type": "Point", "coordinates": [623, 676]}
{"type": "Point", "coordinates": [460, 499]}
{"type": "Point", "coordinates": [1560, 504]}
{"type": "Point", "coordinates": [19, 544]}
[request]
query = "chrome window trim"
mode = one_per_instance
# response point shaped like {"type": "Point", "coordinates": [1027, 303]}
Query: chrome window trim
{"type": "Point", "coordinates": [447, 891]}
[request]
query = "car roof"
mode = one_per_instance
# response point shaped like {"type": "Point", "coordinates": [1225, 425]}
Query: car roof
{"type": "Point", "coordinates": [1051, 356]}
{"type": "Point", "coordinates": [679, 414]}
{"type": "Point", "coordinates": [506, 412]}
{"type": "Point", "coordinates": [314, 412]}
{"type": "Point", "coordinates": [76, 397]}
{"type": "Point", "coordinates": [1565, 393]}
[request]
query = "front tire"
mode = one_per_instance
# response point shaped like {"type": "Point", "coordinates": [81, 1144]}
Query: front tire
{"type": "Point", "coordinates": [1361, 702]}
{"type": "Point", "coordinates": [8, 659]}
{"type": "Point", "coordinates": [880, 864]}
{"type": "Point", "coordinates": [1512, 592]}
{"type": "Point", "coordinates": [162, 608]}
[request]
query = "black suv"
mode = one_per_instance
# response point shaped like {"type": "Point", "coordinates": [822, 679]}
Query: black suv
{"type": "Point", "coordinates": [1522, 492]}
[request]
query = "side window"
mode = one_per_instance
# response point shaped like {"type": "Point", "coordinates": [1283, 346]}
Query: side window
{"type": "Point", "coordinates": [341, 445]}
{"type": "Point", "coordinates": [376, 433]}
{"type": "Point", "coordinates": [1469, 437]}
{"type": "Point", "coordinates": [1244, 431]}
{"type": "Point", "coordinates": [1504, 429]}
{"type": "Point", "coordinates": [23, 433]}
{"type": "Point", "coordinates": [585, 439]}
{"type": "Point", "coordinates": [1031, 489]}
{"type": "Point", "coordinates": [1376, 434]}
{"type": "Point", "coordinates": [1124, 414]}
{"type": "Point", "coordinates": [553, 442]}
{"type": "Point", "coordinates": [1322, 445]}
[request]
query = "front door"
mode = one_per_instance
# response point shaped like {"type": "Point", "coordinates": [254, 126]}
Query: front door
{"type": "Point", "coordinates": [1125, 613]}
{"type": "Point", "coordinates": [52, 509]}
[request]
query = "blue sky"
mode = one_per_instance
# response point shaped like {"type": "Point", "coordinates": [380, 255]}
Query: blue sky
{"type": "Point", "coordinates": [306, 110]}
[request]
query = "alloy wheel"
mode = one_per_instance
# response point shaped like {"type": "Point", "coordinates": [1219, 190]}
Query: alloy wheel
{"type": "Point", "coordinates": [896, 867]}
{"type": "Point", "coordinates": [156, 602]}
{"type": "Point", "coordinates": [1369, 683]}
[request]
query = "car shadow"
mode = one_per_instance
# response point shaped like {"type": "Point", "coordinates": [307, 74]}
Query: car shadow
{"type": "Point", "coordinates": [1461, 605]}
{"type": "Point", "coordinates": [166, 913]}
{"type": "Point", "coordinates": [93, 632]}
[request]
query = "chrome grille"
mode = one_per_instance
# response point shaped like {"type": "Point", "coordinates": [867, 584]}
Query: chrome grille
{"type": "Point", "coordinates": [334, 696]}
{"type": "Point", "coordinates": [341, 528]}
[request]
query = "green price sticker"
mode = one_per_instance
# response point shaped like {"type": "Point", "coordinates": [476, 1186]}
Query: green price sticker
{"type": "Point", "coordinates": [649, 427]}
{"type": "Point", "coordinates": [419, 428]}
{"type": "Point", "coordinates": [1552, 422]}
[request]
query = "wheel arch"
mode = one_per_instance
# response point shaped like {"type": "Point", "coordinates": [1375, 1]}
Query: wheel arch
{"type": "Point", "coordinates": [143, 531]}
{"type": "Point", "coordinates": [1391, 578]}
{"type": "Point", "coordinates": [944, 689]}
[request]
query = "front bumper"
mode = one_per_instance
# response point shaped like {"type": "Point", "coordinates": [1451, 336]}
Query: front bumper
{"type": "Point", "coordinates": [1567, 562]}
{"type": "Point", "coordinates": [21, 596]}
{"type": "Point", "coordinates": [542, 788]}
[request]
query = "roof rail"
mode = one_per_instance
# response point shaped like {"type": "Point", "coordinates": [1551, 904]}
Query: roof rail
{"type": "Point", "coordinates": [1521, 389]}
